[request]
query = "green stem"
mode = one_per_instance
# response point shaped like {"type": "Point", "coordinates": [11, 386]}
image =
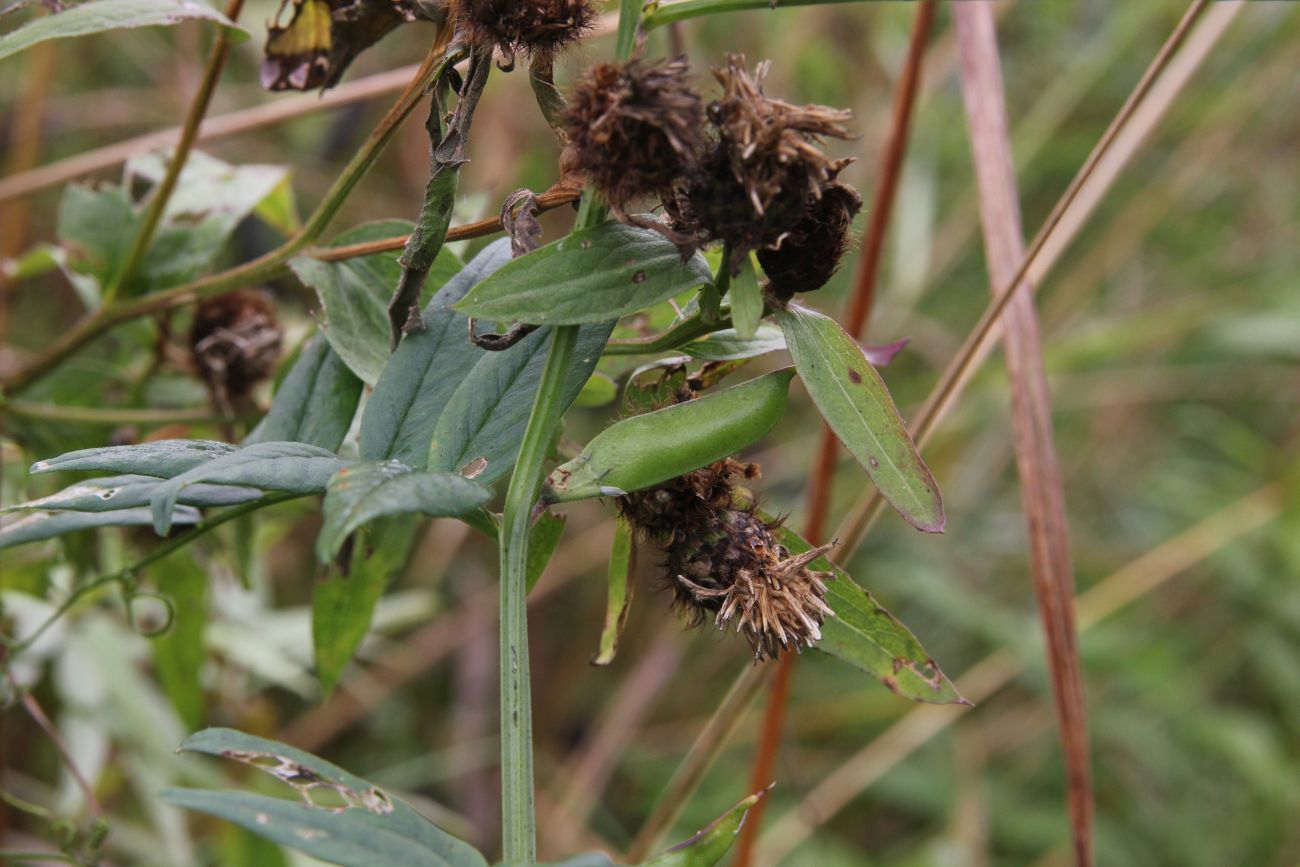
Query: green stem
{"type": "Point", "coordinates": [189, 134]}
{"type": "Point", "coordinates": [667, 13]}
{"type": "Point", "coordinates": [675, 337]}
{"type": "Point", "coordinates": [256, 271]}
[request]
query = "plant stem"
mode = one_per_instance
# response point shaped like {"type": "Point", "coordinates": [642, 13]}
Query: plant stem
{"type": "Point", "coordinates": [189, 133]}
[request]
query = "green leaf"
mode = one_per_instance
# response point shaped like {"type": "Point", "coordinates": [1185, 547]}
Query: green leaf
{"type": "Point", "coordinates": [855, 403]}
{"type": "Point", "coordinates": [619, 600]}
{"type": "Point", "coordinates": [178, 653]}
{"type": "Point", "coordinates": [425, 371]}
{"type": "Point", "coordinates": [710, 844]}
{"type": "Point", "coordinates": [315, 403]}
{"type": "Point", "coordinates": [486, 415]}
{"type": "Point", "coordinates": [47, 525]}
{"type": "Point", "coordinates": [746, 300]}
{"type": "Point", "coordinates": [868, 637]}
{"type": "Point", "coordinates": [101, 15]}
{"type": "Point", "coordinates": [593, 275]}
{"type": "Point", "coordinates": [95, 227]}
{"type": "Point", "coordinates": [161, 459]}
{"type": "Point", "coordinates": [294, 468]}
{"type": "Point", "coordinates": [543, 539]}
{"type": "Point", "coordinates": [279, 209]}
{"type": "Point", "coordinates": [110, 493]}
{"type": "Point", "coordinates": [598, 390]}
{"type": "Point", "coordinates": [360, 493]}
{"type": "Point", "coordinates": [354, 295]}
{"type": "Point", "coordinates": [371, 828]}
{"type": "Point", "coordinates": [728, 345]}
{"type": "Point", "coordinates": [343, 606]}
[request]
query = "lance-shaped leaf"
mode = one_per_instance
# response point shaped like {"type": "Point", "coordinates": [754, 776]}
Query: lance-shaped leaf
{"type": "Point", "coordinates": [359, 825]}
{"type": "Point", "coordinates": [315, 403]}
{"type": "Point", "coordinates": [592, 275]}
{"type": "Point", "coordinates": [619, 600]}
{"type": "Point", "coordinates": [711, 843]}
{"type": "Point", "coordinates": [728, 345]}
{"type": "Point", "coordinates": [362, 492]}
{"type": "Point", "coordinates": [855, 403]}
{"type": "Point", "coordinates": [47, 525]}
{"type": "Point", "coordinates": [746, 299]}
{"type": "Point", "coordinates": [868, 637]}
{"type": "Point", "coordinates": [100, 15]}
{"type": "Point", "coordinates": [354, 295]}
{"type": "Point", "coordinates": [110, 493]}
{"type": "Point", "coordinates": [162, 459]}
{"type": "Point", "coordinates": [294, 468]}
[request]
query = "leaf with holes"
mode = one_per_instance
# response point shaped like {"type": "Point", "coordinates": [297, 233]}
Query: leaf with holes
{"type": "Point", "coordinates": [339, 818]}
{"type": "Point", "coordinates": [593, 275]}
{"type": "Point", "coordinates": [360, 493]}
{"type": "Point", "coordinates": [293, 468]}
{"type": "Point", "coordinates": [855, 403]}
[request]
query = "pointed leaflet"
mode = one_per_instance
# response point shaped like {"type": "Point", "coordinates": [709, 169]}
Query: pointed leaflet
{"type": "Point", "coordinates": [711, 843]}
{"type": "Point", "coordinates": [855, 403]}
{"type": "Point", "coordinates": [371, 828]}
{"type": "Point", "coordinates": [110, 493]}
{"type": "Point", "coordinates": [294, 468]}
{"type": "Point", "coordinates": [619, 599]}
{"type": "Point", "coordinates": [161, 459]}
{"type": "Point", "coordinates": [869, 638]}
{"type": "Point", "coordinates": [354, 295]}
{"type": "Point", "coordinates": [101, 15]}
{"type": "Point", "coordinates": [315, 403]}
{"type": "Point", "coordinates": [746, 299]}
{"type": "Point", "coordinates": [360, 493]}
{"type": "Point", "coordinates": [592, 275]}
{"type": "Point", "coordinates": [46, 525]}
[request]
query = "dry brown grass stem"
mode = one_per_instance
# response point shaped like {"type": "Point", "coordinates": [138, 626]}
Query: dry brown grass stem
{"type": "Point", "coordinates": [918, 726]}
{"type": "Point", "coordinates": [1041, 486]}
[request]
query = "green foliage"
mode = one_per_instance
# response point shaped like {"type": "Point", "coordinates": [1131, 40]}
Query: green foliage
{"type": "Point", "coordinates": [179, 652]}
{"type": "Point", "coordinates": [98, 16]}
{"type": "Point", "coordinates": [316, 401]}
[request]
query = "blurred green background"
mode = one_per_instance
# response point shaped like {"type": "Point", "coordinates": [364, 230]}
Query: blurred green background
{"type": "Point", "coordinates": [1172, 338]}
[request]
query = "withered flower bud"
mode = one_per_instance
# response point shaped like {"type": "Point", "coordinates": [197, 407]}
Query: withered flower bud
{"type": "Point", "coordinates": [767, 166]}
{"type": "Point", "coordinates": [234, 344]}
{"type": "Point", "coordinates": [808, 256]}
{"type": "Point", "coordinates": [723, 561]}
{"type": "Point", "coordinates": [634, 128]}
{"type": "Point", "coordinates": [537, 27]}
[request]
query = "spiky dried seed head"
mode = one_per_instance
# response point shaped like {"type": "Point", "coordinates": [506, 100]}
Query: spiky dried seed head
{"type": "Point", "coordinates": [723, 561]}
{"type": "Point", "coordinates": [234, 344]}
{"type": "Point", "coordinates": [767, 165]}
{"type": "Point", "coordinates": [809, 255]}
{"type": "Point", "coordinates": [541, 28]}
{"type": "Point", "coordinates": [634, 128]}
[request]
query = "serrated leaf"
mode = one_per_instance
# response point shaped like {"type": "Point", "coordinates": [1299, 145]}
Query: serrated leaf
{"type": "Point", "coordinates": [101, 15]}
{"type": "Point", "coordinates": [315, 403]}
{"type": "Point", "coordinates": [868, 637]}
{"type": "Point", "coordinates": [360, 493]}
{"type": "Point", "coordinates": [856, 404]}
{"type": "Point", "coordinates": [619, 598]}
{"type": "Point", "coordinates": [711, 843]}
{"type": "Point", "coordinates": [294, 468]}
{"type": "Point", "coordinates": [371, 828]}
{"type": "Point", "coordinates": [46, 525]}
{"type": "Point", "coordinates": [592, 275]}
{"type": "Point", "coordinates": [746, 300]}
{"type": "Point", "coordinates": [160, 459]}
{"type": "Point", "coordinates": [728, 345]}
{"type": "Point", "coordinates": [486, 415]}
{"type": "Point", "coordinates": [343, 606]}
{"type": "Point", "coordinates": [425, 371]}
{"type": "Point", "coordinates": [354, 295]}
{"type": "Point", "coordinates": [110, 493]}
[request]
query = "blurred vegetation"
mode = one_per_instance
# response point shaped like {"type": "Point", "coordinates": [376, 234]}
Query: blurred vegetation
{"type": "Point", "coordinates": [1172, 332]}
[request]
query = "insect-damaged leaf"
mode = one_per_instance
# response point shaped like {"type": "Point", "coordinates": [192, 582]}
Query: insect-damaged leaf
{"type": "Point", "coordinates": [592, 275]}
{"type": "Point", "coordinates": [354, 295]}
{"type": "Point", "coordinates": [100, 15]}
{"type": "Point", "coordinates": [315, 403]}
{"type": "Point", "coordinates": [870, 638]}
{"type": "Point", "coordinates": [855, 403]}
{"type": "Point", "coordinates": [359, 825]}
{"type": "Point", "coordinates": [111, 493]}
{"type": "Point", "coordinates": [360, 493]}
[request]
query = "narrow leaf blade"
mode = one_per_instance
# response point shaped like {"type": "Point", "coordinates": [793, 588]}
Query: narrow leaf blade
{"type": "Point", "coordinates": [101, 15]}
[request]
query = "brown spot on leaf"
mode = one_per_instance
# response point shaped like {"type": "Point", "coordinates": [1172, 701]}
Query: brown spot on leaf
{"type": "Point", "coordinates": [638, 277]}
{"type": "Point", "coordinates": [854, 376]}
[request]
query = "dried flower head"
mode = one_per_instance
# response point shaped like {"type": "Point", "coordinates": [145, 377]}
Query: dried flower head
{"type": "Point", "coordinates": [723, 561]}
{"type": "Point", "coordinates": [811, 252]}
{"type": "Point", "coordinates": [634, 128]}
{"type": "Point", "coordinates": [765, 169]}
{"type": "Point", "coordinates": [234, 344]}
{"type": "Point", "coordinates": [537, 27]}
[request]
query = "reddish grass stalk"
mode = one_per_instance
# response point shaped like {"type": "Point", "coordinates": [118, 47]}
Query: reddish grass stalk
{"type": "Point", "coordinates": [860, 304]}
{"type": "Point", "coordinates": [1041, 486]}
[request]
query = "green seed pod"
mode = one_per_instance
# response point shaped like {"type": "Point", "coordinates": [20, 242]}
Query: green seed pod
{"type": "Point", "coordinates": [645, 450]}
